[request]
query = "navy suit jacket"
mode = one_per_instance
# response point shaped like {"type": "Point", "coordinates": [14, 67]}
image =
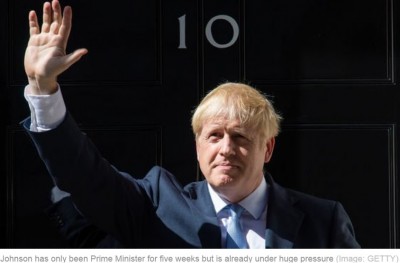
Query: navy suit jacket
{"type": "Point", "coordinates": [157, 212]}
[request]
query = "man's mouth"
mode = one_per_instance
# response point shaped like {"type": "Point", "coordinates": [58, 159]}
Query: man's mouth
{"type": "Point", "coordinates": [226, 165]}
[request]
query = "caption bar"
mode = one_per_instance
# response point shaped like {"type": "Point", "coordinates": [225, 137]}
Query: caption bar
{"type": "Point", "coordinates": [199, 256]}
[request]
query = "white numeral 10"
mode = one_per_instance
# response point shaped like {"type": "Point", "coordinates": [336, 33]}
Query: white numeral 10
{"type": "Point", "coordinates": [209, 35]}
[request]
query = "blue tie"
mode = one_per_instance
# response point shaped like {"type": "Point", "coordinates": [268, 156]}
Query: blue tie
{"type": "Point", "coordinates": [235, 237]}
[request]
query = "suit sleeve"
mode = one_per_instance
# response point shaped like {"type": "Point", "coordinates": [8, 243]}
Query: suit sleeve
{"type": "Point", "coordinates": [111, 201]}
{"type": "Point", "coordinates": [342, 231]}
{"type": "Point", "coordinates": [76, 229]}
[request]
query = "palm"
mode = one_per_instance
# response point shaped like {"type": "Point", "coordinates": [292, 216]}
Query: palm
{"type": "Point", "coordinates": [44, 55]}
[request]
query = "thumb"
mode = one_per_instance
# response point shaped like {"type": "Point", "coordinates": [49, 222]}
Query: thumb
{"type": "Point", "coordinates": [73, 57]}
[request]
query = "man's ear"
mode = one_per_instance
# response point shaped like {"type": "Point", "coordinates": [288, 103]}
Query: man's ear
{"type": "Point", "coordinates": [269, 149]}
{"type": "Point", "coordinates": [197, 148]}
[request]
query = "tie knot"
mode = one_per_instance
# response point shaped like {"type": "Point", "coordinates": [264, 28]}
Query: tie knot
{"type": "Point", "coordinates": [235, 209]}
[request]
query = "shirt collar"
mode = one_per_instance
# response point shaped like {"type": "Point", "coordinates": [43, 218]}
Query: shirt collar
{"type": "Point", "coordinates": [255, 203]}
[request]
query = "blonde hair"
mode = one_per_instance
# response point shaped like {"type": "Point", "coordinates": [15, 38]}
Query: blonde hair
{"type": "Point", "coordinates": [237, 101]}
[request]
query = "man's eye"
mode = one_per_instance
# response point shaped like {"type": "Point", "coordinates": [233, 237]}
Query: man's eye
{"type": "Point", "coordinates": [240, 136]}
{"type": "Point", "coordinates": [214, 136]}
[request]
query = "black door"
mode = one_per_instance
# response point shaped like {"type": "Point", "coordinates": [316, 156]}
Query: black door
{"type": "Point", "coordinates": [329, 67]}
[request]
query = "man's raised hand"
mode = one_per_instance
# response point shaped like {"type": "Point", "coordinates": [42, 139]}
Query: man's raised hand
{"type": "Point", "coordinates": [45, 56]}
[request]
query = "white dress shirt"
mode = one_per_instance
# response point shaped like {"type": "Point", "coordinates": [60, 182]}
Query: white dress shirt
{"type": "Point", "coordinates": [253, 219]}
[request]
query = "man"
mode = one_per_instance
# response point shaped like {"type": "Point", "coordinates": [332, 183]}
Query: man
{"type": "Point", "coordinates": [236, 206]}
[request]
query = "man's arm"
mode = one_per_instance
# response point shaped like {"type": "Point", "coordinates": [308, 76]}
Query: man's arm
{"type": "Point", "coordinates": [45, 59]}
{"type": "Point", "coordinates": [76, 229]}
{"type": "Point", "coordinates": [342, 231]}
{"type": "Point", "coordinates": [59, 142]}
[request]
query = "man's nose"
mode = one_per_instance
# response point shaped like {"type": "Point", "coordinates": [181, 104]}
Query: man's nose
{"type": "Point", "coordinates": [227, 146]}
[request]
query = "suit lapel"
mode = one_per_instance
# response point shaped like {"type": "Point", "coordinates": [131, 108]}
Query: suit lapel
{"type": "Point", "coordinates": [209, 231]}
{"type": "Point", "coordinates": [283, 219]}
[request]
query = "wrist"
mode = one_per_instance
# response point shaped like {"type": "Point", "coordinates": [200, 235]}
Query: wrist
{"type": "Point", "coordinates": [42, 86]}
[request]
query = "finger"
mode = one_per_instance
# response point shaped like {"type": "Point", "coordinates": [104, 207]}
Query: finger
{"type": "Point", "coordinates": [33, 23]}
{"type": "Point", "coordinates": [73, 57]}
{"type": "Point", "coordinates": [57, 18]}
{"type": "Point", "coordinates": [46, 17]}
{"type": "Point", "coordinates": [66, 24]}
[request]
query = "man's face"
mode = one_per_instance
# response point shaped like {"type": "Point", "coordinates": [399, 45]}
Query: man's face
{"type": "Point", "coordinates": [232, 157]}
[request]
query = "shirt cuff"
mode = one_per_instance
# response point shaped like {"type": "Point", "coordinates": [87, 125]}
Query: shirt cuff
{"type": "Point", "coordinates": [47, 111]}
{"type": "Point", "coordinates": [57, 194]}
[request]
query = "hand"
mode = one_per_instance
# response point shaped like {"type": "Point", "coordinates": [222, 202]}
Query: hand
{"type": "Point", "coordinates": [45, 55]}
